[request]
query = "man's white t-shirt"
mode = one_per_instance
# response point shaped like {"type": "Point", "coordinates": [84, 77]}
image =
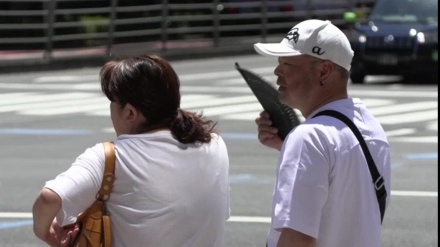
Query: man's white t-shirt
{"type": "Point", "coordinates": [165, 193]}
{"type": "Point", "coordinates": [324, 188]}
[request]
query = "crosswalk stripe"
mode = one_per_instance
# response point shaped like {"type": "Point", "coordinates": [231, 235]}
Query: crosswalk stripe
{"type": "Point", "coordinates": [69, 107]}
{"type": "Point", "coordinates": [95, 86]}
{"type": "Point", "coordinates": [407, 107]}
{"type": "Point", "coordinates": [65, 78]}
{"type": "Point", "coordinates": [11, 96]}
{"type": "Point", "coordinates": [229, 109]}
{"type": "Point", "coordinates": [233, 81]}
{"type": "Point", "coordinates": [432, 125]}
{"type": "Point", "coordinates": [100, 113]}
{"type": "Point", "coordinates": [223, 74]}
{"type": "Point", "coordinates": [388, 93]}
{"type": "Point", "coordinates": [242, 116]}
{"type": "Point", "coordinates": [214, 89]}
{"type": "Point", "coordinates": [400, 132]}
{"type": "Point", "coordinates": [255, 219]}
{"type": "Point", "coordinates": [194, 97]}
{"type": "Point", "coordinates": [416, 139]}
{"type": "Point", "coordinates": [210, 105]}
{"type": "Point", "coordinates": [411, 117]}
{"type": "Point", "coordinates": [67, 87]}
{"type": "Point", "coordinates": [215, 101]}
{"type": "Point", "coordinates": [87, 98]}
{"type": "Point", "coordinates": [243, 107]}
{"type": "Point", "coordinates": [32, 98]}
{"type": "Point", "coordinates": [376, 102]}
{"type": "Point", "coordinates": [59, 101]}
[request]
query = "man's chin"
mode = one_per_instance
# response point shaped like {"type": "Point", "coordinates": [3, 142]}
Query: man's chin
{"type": "Point", "coordinates": [285, 99]}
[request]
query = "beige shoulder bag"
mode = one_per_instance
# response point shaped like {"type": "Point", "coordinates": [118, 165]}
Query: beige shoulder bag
{"type": "Point", "coordinates": [95, 228]}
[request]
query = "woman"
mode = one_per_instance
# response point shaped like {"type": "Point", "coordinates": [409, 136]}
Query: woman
{"type": "Point", "coordinates": [171, 186]}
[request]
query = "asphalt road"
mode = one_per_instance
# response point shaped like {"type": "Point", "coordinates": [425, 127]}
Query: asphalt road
{"type": "Point", "coordinates": [48, 118]}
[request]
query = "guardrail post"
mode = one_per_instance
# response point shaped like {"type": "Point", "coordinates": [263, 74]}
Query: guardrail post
{"type": "Point", "coordinates": [50, 20]}
{"type": "Point", "coordinates": [309, 8]}
{"type": "Point", "coordinates": [165, 14]}
{"type": "Point", "coordinates": [216, 22]}
{"type": "Point", "coordinates": [264, 11]}
{"type": "Point", "coordinates": [111, 30]}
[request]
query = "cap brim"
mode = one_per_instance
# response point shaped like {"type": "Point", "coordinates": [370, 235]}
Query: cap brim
{"type": "Point", "coordinates": [275, 49]}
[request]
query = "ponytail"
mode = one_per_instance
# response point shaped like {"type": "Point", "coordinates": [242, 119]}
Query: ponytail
{"type": "Point", "coordinates": [190, 127]}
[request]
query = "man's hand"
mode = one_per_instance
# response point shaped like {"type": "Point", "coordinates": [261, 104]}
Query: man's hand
{"type": "Point", "coordinates": [267, 134]}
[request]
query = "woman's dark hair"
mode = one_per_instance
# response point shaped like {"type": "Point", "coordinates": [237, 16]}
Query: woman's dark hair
{"type": "Point", "coordinates": [151, 85]}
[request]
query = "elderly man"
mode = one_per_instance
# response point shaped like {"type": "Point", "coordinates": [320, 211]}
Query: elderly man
{"type": "Point", "coordinates": [325, 194]}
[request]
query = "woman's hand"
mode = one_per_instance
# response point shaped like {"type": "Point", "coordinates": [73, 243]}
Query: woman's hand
{"type": "Point", "coordinates": [65, 234]}
{"type": "Point", "coordinates": [46, 227]}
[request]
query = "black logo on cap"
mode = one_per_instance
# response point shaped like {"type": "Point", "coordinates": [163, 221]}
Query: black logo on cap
{"type": "Point", "coordinates": [293, 35]}
{"type": "Point", "coordinates": [317, 50]}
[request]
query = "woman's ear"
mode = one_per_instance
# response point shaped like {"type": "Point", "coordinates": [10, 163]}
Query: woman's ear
{"type": "Point", "coordinates": [130, 113]}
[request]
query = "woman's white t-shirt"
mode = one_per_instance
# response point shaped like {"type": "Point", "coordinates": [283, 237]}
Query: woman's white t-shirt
{"type": "Point", "coordinates": [165, 193]}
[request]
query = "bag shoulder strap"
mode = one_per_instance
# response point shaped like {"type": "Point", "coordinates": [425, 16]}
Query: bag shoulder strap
{"type": "Point", "coordinates": [109, 172]}
{"type": "Point", "coordinates": [379, 183]}
{"type": "Point", "coordinates": [98, 209]}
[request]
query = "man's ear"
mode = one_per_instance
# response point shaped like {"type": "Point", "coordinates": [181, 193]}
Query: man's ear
{"type": "Point", "coordinates": [326, 70]}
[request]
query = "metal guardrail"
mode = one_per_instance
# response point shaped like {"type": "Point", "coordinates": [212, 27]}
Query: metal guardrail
{"type": "Point", "coordinates": [160, 26]}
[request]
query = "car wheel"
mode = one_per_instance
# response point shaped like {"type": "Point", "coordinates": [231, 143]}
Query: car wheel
{"type": "Point", "coordinates": [357, 72]}
{"type": "Point", "coordinates": [357, 76]}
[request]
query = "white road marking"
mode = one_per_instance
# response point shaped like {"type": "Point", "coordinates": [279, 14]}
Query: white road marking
{"type": "Point", "coordinates": [243, 219]}
{"type": "Point", "coordinates": [406, 107]}
{"type": "Point", "coordinates": [86, 98]}
{"type": "Point", "coordinates": [65, 78]}
{"type": "Point", "coordinates": [400, 132]}
{"type": "Point", "coordinates": [209, 101]}
{"type": "Point", "coordinates": [416, 139]}
{"type": "Point", "coordinates": [410, 117]}
{"type": "Point", "coordinates": [415, 193]}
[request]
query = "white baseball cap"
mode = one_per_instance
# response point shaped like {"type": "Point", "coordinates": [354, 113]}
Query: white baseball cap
{"type": "Point", "coordinates": [316, 38]}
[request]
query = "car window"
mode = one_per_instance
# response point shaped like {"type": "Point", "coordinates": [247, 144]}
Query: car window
{"type": "Point", "coordinates": [428, 11]}
{"type": "Point", "coordinates": [405, 11]}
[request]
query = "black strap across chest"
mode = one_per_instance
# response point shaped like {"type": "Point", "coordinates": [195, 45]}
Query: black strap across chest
{"type": "Point", "coordinates": [379, 183]}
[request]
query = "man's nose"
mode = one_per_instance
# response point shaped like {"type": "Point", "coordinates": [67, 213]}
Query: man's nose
{"type": "Point", "coordinates": [277, 71]}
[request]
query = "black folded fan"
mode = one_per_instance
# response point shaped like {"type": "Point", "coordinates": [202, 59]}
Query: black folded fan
{"type": "Point", "coordinates": [283, 117]}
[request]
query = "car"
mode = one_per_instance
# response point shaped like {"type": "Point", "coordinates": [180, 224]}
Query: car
{"type": "Point", "coordinates": [398, 37]}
